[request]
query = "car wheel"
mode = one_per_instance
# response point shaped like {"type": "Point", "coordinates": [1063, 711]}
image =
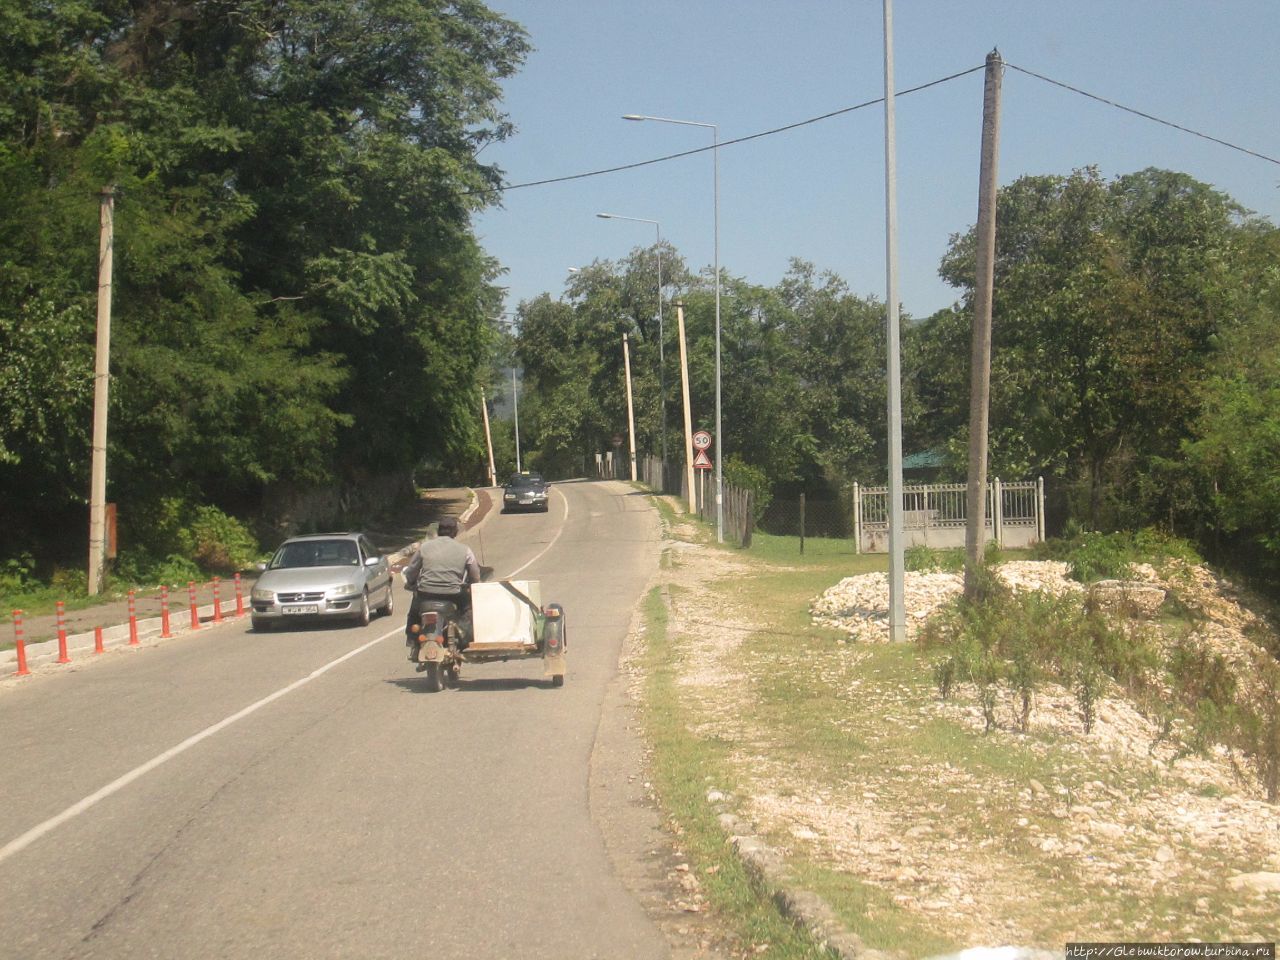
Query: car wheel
{"type": "Point", "coordinates": [260, 626]}
{"type": "Point", "coordinates": [364, 616]}
{"type": "Point", "coordinates": [558, 680]}
{"type": "Point", "coordinates": [388, 608]}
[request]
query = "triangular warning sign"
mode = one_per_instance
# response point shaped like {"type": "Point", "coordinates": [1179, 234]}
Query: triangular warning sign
{"type": "Point", "coordinates": [701, 461]}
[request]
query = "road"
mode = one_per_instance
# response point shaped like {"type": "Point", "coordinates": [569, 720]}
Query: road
{"type": "Point", "coordinates": [299, 795]}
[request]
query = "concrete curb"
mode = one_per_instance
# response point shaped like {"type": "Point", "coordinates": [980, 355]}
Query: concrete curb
{"type": "Point", "coordinates": [804, 908]}
{"type": "Point", "coordinates": [475, 504]}
{"type": "Point", "coordinates": [46, 651]}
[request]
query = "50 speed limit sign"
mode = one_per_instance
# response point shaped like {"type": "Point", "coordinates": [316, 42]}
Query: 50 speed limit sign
{"type": "Point", "coordinates": [702, 440]}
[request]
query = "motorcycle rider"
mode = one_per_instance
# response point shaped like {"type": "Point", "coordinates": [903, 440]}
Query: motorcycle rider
{"type": "Point", "coordinates": [442, 569]}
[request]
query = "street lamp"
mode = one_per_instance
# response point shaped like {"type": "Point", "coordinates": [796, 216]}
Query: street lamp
{"type": "Point", "coordinates": [715, 165]}
{"type": "Point", "coordinates": [662, 364]}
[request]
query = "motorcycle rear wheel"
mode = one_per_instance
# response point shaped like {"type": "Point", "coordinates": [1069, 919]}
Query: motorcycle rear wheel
{"type": "Point", "coordinates": [435, 677]}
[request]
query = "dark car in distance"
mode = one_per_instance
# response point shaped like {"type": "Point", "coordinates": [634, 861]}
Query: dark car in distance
{"type": "Point", "coordinates": [525, 491]}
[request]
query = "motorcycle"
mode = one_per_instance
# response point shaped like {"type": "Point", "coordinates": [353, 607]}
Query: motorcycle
{"type": "Point", "coordinates": [505, 623]}
{"type": "Point", "coordinates": [439, 637]}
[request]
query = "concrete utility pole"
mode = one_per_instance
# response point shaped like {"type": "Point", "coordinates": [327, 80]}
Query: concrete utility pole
{"type": "Point", "coordinates": [688, 414]}
{"type": "Point", "coordinates": [897, 559]}
{"type": "Point", "coordinates": [488, 440]}
{"type": "Point", "coordinates": [515, 405]}
{"type": "Point", "coordinates": [975, 540]}
{"type": "Point", "coordinates": [101, 375]}
{"type": "Point", "coordinates": [631, 416]}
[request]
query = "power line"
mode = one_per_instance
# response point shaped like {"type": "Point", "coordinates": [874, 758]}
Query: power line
{"type": "Point", "coordinates": [1146, 116]}
{"type": "Point", "coordinates": [724, 143]}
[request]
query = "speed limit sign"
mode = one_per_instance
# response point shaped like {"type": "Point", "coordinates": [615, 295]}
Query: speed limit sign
{"type": "Point", "coordinates": [702, 440]}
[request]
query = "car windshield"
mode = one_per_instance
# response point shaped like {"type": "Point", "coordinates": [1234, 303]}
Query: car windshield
{"type": "Point", "coordinates": [316, 553]}
{"type": "Point", "coordinates": [530, 480]}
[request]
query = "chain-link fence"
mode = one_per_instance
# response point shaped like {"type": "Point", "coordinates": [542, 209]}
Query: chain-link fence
{"type": "Point", "coordinates": [804, 516]}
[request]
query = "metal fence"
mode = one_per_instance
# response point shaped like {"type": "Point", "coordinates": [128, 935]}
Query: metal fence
{"type": "Point", "coordinates": [935, 515]}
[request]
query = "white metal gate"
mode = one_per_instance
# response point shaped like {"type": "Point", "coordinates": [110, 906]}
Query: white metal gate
{"type": "Point", "coordinates": [934, 515]}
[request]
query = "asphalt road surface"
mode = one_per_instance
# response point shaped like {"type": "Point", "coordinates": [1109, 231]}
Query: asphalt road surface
{"type": "Point", "coordinates": [299, 794]}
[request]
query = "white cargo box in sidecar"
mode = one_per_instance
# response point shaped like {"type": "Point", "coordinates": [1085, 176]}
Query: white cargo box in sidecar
{"type": "Point", "coordinates": [502, 619]}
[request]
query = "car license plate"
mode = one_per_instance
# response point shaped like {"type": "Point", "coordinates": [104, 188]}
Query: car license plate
{"type": "Point", "coordinates": [300, 608]}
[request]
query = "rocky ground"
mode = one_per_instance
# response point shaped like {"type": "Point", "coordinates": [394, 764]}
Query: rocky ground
{"type": "Point", "coordinates": [1171, 844]}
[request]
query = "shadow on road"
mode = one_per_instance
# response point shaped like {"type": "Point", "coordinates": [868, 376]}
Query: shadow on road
{"type": "Point", "coordinates": [418, 684]}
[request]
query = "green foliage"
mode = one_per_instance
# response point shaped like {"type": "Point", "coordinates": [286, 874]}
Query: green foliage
{"type": "Point", "coordinates": [742, 475]}
{"type": "Point", "coordinates": [184, 541]}
{"type": "Point", "coordinates": [1233, 451]}
{"type": "Point", "coordinates": [16, 574]}
{"type": "Point", "coordinates": [296, 275]}
{"type": "Point", "coordinates": [1015, 641]}
{"type": "Point", "coordinates": [1124, 313]}
{"type": "Point", "coordinates": [140, 569]}
{"type": "Point", "coordinates": [1012, 643]}
{"type": "Point", "coordinates": [1108, 556]}
{"type": "Point", "coordinates": [217, 542]}
{"type": "Point", "coordinates": [921, 558]}
{"type": "Point", "coordinates": [1100, 556]}
{"type": "Point", "coordinates": [806, 391]}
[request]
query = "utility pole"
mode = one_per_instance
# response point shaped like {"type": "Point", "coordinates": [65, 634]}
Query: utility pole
{"type": "Point", "coordinates": [631, 417]}
{"type": "Point", "coordinates": [897, 559]}
{"type": "Point", "coordinates": [975, 540]}
{"type": "Point", "coordinates": [488, 439]}
{"type": "Point", "coordinates": [515, 406]}
{"type": "Point", "coordinates": [101, 375]}
{"type": "Point", "coordinates": [688, 415]}
{"type": "Point", "coordinates": [662, 364]}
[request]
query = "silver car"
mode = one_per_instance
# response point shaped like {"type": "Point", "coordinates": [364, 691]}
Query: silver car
{"type": "Point", "coordinates": [321, 577]}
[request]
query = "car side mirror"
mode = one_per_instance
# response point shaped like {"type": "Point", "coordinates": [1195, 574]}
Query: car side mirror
{"type": "Point", "coordinates": [372, 561]}
{"type": "Point", "coordinates": [261, 567]}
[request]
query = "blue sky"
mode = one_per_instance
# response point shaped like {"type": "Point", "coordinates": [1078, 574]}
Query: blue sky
{"type": "Point", "coordinates": [818, 192]}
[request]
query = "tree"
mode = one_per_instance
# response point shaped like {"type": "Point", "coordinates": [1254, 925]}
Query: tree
{"type": "Point", "coordinates": [1108, 297]}
{"type": "Point", "coordinates": [1232, 457]}
{"type": "Point", "coordinates": [300, 297]}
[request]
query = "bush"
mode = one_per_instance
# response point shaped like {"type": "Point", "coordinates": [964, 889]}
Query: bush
{"type": "Point", "coordinates": [16, 574]}
{"type": "Point", "coordinates": [921, 558]}
{"type": "Point", "coordinates": [1100, 556]}
{"type": "Point", "coordinates": [1019, 640]}
{"type": "Point", "coordinates": [744, 476]}
{"type": "Point", "coordinates": [217, 542]}
{"type": "Point", "coordinates": [140, 568]}
{"type": "Point", "coordinates": [1107, 556]}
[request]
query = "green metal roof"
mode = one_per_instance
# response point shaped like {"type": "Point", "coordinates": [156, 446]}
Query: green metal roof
{"type": "Point", "coordinates": [925, 459]}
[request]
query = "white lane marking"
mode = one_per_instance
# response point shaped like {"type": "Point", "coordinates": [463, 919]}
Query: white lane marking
{"type": "Point", "coordinates": [36, 832]}
{"type": "Point", "coordinates": [553, 539]}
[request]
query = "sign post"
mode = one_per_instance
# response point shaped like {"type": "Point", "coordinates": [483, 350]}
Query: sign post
{"type": "Point", "coordinates": [701, 460]}
{"type": "Point", "coordinates": [701, 444]}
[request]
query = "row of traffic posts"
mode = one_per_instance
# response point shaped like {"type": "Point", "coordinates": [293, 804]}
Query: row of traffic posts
{"type": "Point", "coordinates": [64, 656]}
